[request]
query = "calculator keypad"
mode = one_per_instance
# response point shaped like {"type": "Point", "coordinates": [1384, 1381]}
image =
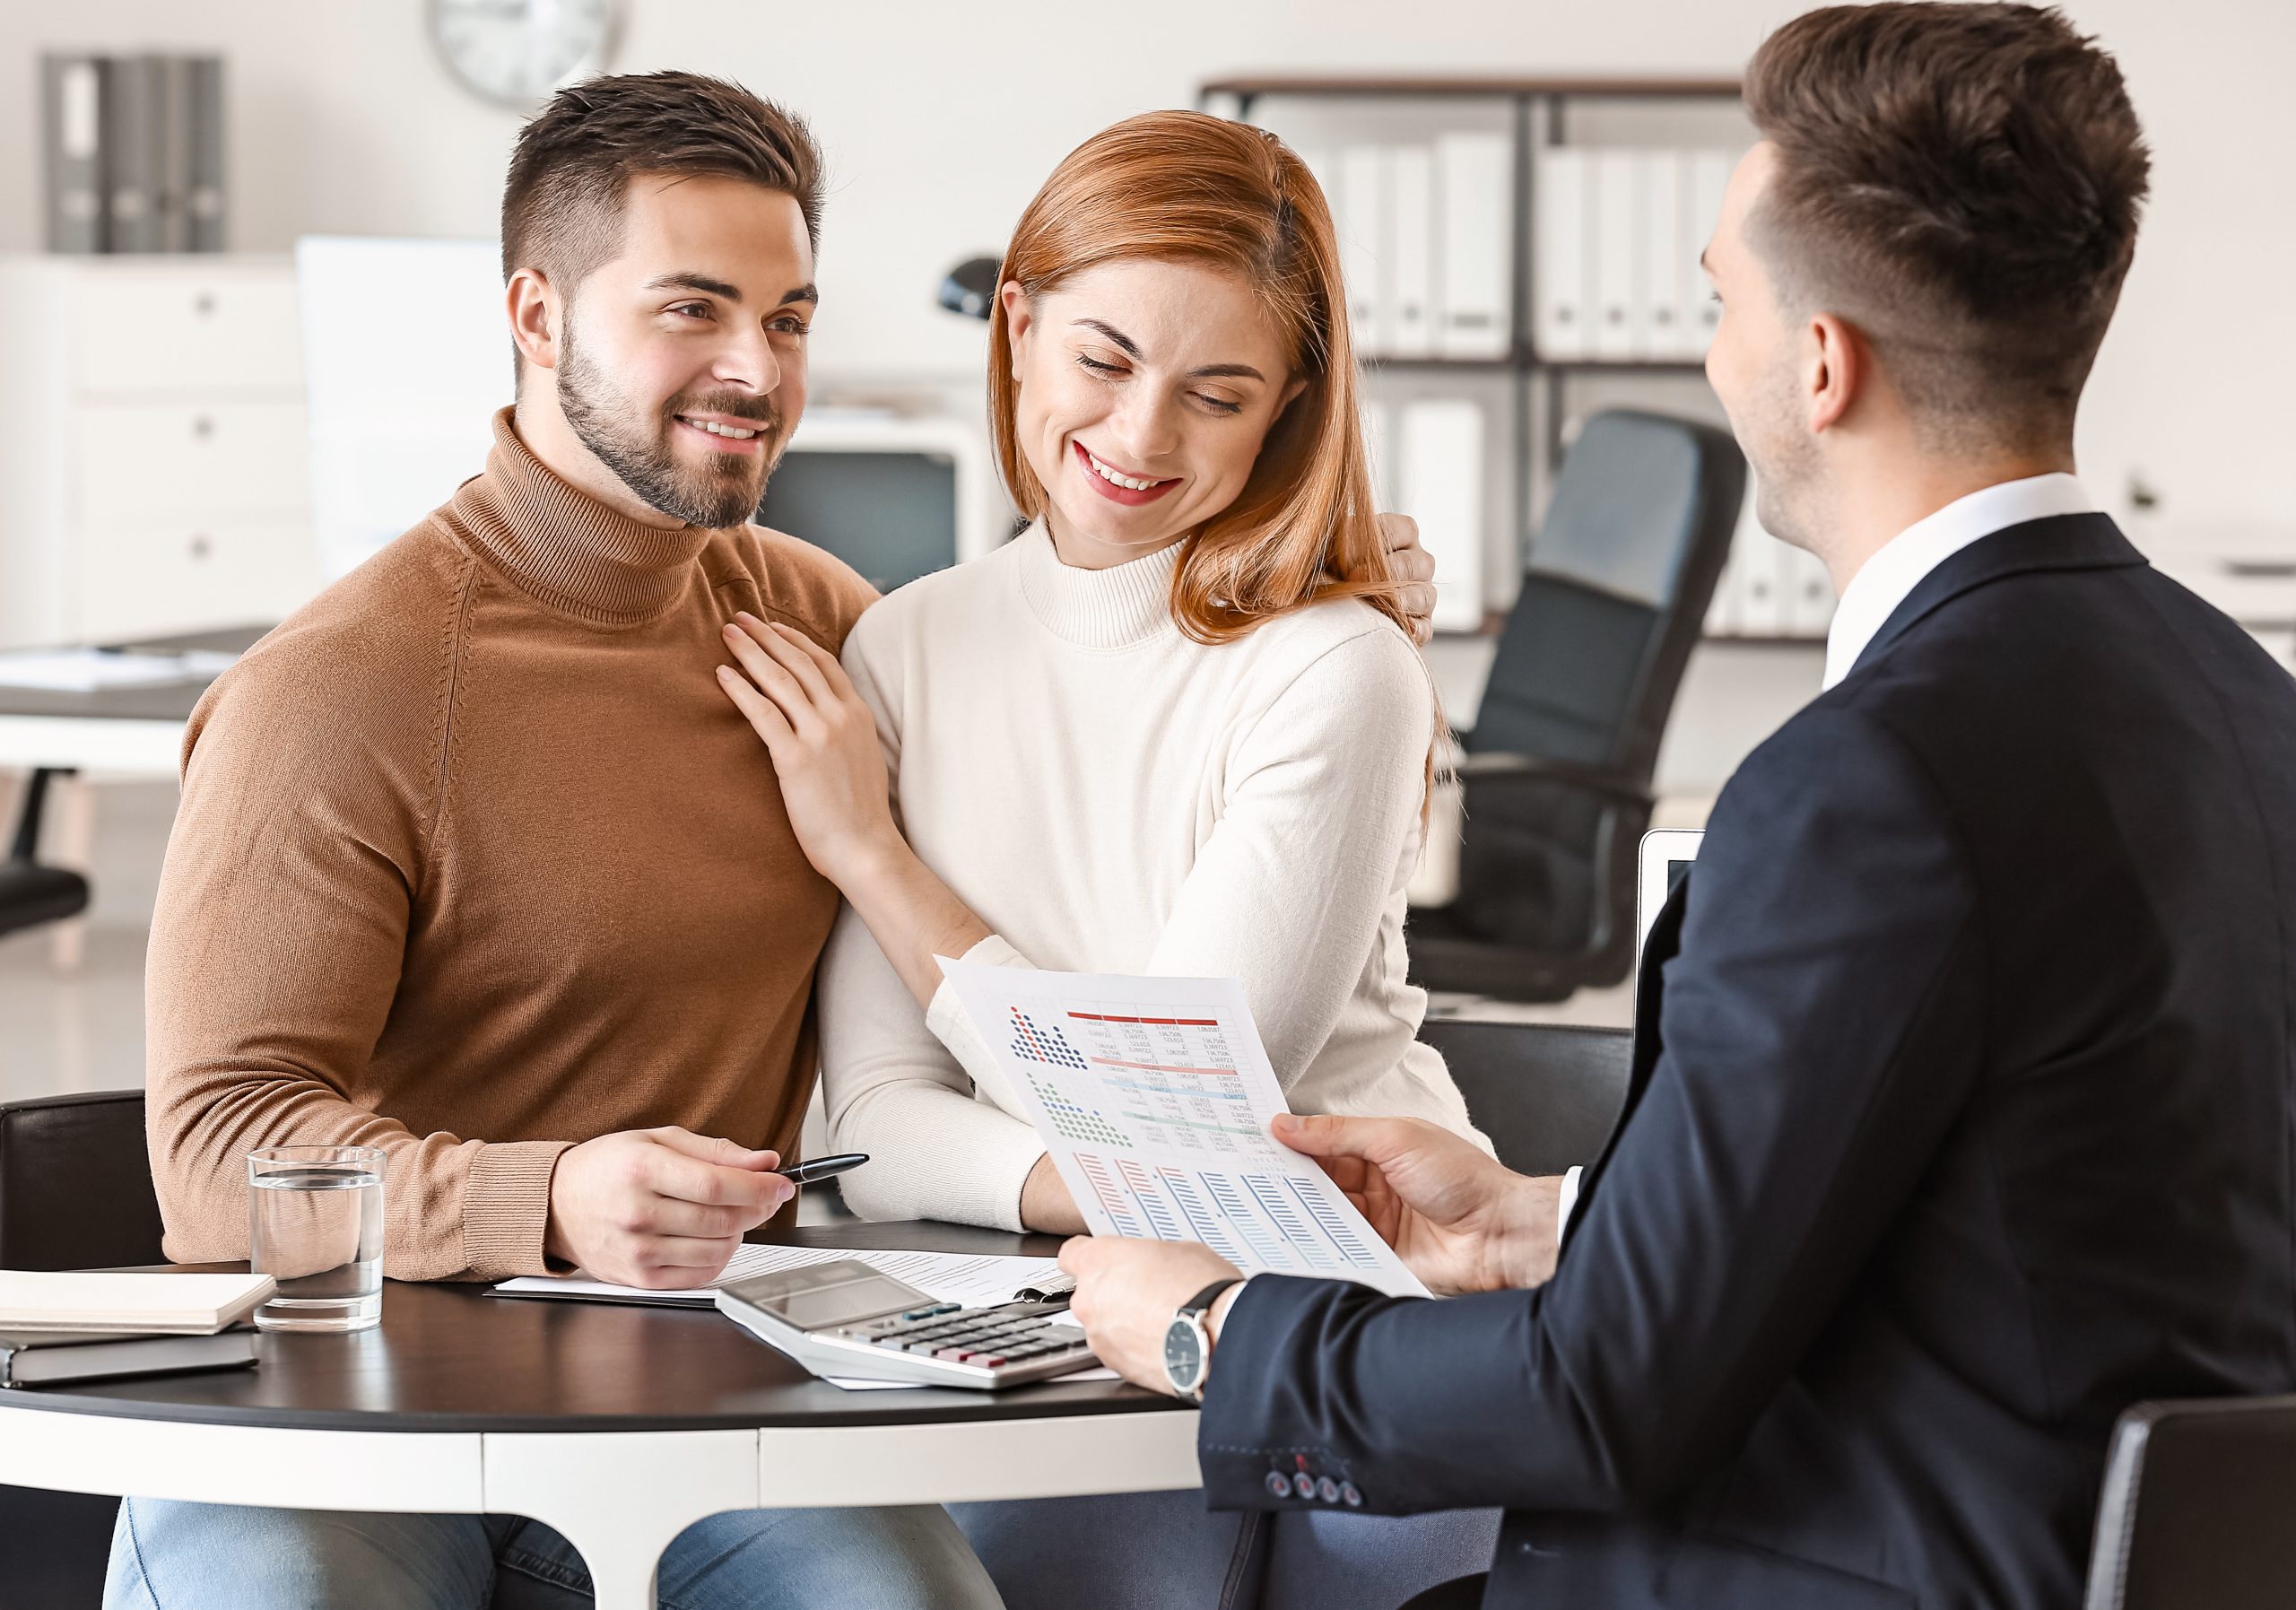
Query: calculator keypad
{"type": "Point", "coordinates": [980, 1338]}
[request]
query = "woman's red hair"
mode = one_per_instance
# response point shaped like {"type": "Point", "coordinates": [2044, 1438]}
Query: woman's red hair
{"type": "Point", "coordinates": [1184, 187]}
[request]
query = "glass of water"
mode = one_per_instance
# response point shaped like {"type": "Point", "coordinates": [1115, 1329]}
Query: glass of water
{"type": "Point", "coordinates": [315, 1225]}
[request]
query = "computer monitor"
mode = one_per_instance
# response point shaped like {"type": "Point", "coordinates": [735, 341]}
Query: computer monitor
{"type": "Point", "coordinates": [406, 358]}
{"type": "Point", "coordinates": [891, 516]}
{"type": "Point", "coordinates": [1665, 858]}
{"type": "Point", "coordinates": [895, 494]}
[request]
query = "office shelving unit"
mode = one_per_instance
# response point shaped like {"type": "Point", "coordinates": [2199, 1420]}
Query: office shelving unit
{"type": "Point", "coordinates": [1540, 115]}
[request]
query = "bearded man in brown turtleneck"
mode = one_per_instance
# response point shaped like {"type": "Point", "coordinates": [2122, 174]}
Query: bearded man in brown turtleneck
{"type": "Point", "coordinates": [473, 851]}
{"type": "Point", "coordinates": [476, 864]}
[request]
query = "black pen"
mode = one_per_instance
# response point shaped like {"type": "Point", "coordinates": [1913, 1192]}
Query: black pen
{"type": "Point", "coordinates": [823, 1167]}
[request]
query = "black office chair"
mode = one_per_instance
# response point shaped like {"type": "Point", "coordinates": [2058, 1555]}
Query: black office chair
{"type": "Point", "coordinates": [1547, 1094]}
{"type": "Point", "coordinates": [30, 893]}
{"type": "Point", "coordinates": [1556, 772]}
{"type": "Point", "coordinates": [2193, 1515]}
{"type": "Point", "coordinates": [2197, 1505]}
{"type": "Point", "coordinates": [75, 1192]}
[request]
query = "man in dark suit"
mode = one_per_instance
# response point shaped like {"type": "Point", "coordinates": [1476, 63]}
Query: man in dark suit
{"type": "Point", "coordinates": [1960, 1117]}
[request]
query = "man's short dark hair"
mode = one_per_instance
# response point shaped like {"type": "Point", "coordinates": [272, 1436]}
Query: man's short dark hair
{"type": "Point", "coordinates": [570, 174]}
{"type": "Point", "coordinates": [1963, 182]}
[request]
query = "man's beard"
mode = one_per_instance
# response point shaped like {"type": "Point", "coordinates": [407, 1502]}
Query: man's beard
{"type": "Point", "coordinates": [639, 451]}
{"type": "Point", "coordinates": [1789, 503]}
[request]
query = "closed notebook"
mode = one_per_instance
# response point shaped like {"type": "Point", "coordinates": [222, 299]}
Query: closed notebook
{"type": "Point", "coordinates": [37, 1359]}
{"type": "Point", "coordinates": [135, 1303]}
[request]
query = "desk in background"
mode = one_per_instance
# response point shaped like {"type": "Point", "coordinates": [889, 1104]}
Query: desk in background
{"type": "Point", "coordinates": [114, 734]}
{"type": "Point", "coordinates": [124, 731]}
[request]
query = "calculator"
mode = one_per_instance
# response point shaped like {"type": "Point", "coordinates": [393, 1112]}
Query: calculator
{"type": "Point", "coordinates": [846, 1318]}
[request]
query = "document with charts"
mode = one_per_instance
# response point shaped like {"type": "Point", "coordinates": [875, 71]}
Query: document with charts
{"type": "Point", "coordinates": [1153, 1096]}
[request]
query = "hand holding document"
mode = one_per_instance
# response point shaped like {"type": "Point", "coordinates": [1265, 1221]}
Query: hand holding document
{"type": "Point", "coordinates": [1153, 1096]}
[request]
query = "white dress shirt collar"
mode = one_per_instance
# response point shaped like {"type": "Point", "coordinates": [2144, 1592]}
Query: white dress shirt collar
{"type": "Point", "coordinates": [1874, 593]}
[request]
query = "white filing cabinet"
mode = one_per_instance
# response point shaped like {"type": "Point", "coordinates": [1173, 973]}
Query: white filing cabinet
{"type": "Point", "coordinates": [153, 474]}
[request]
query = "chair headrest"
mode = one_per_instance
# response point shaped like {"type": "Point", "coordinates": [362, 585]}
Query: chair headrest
{"type": "Point", "coordinates": [1625, 507]}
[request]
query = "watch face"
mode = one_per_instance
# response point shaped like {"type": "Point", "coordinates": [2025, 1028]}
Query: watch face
{"type": "Point", "coordinates": [1183, 1355]}
{"type": "Point", "coordinates": [515, 52]}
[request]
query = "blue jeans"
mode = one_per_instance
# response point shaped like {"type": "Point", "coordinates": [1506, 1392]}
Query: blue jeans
{"type": "Point", "coordinates": [1165, 1551]}
{"type": "Point", "coordinates": [181, 1556]}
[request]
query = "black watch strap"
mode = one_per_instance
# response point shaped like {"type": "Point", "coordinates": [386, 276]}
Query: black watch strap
{"type": "Point", "coordinates": [1203, 1299]}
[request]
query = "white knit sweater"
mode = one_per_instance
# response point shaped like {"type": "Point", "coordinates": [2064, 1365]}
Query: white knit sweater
{"type": "Point", "coordinates": [1111, 797]}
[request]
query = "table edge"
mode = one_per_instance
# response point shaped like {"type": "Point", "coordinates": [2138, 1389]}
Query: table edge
{"type": "Point", "coordinates": [881, 1409]}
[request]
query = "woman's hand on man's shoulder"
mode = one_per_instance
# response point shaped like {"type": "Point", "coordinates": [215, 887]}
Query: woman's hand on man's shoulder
{"type": "Point", "coordinates": [1413, 570]}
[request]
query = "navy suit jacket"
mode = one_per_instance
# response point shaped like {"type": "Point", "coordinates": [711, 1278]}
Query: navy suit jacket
{"type": "Point", "coordinates": [1959, 1122]}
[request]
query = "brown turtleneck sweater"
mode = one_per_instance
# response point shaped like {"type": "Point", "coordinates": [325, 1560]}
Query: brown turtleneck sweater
{"type": "Point", "coordinates": [474, 861]}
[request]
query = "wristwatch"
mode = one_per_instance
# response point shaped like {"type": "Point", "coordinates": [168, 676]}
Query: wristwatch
{"type": "Point", "coordinates": [1188, 1345]}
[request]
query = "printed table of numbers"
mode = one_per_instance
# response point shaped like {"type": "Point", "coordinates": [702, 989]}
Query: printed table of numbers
{"type": "Point", "coordinates": [1153, 1096]}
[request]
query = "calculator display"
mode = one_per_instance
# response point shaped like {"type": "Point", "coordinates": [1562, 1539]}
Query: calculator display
{"type": "Point", "coordinates": [823, 1303]}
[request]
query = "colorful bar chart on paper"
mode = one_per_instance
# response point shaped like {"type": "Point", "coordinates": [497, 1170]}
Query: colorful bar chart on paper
{"type": "Point", "coordinates": [1153, 1096]}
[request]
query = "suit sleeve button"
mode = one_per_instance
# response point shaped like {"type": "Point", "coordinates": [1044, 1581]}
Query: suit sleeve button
{"type": "Point", "coordinates": [1278, 1484]}
{"type": "Point", "coordinates": [1327, 1489]}
{"type": "Point", "coordinates": [1350, 1495]}
{"type": "Point", "coordinates": [1304, 1484]}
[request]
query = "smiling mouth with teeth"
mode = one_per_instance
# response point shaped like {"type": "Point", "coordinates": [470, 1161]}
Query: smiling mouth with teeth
{"type": "Point", "coordinates": [731, 432]}
{"type": "Point", "coordinates": [1120, 486]}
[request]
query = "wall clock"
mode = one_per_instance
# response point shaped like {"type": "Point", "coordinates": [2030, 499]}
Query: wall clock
{"type": "Point", "coordinates": [515, 52]}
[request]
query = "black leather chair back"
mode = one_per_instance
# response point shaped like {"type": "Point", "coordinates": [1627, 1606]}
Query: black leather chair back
{"type": "Point", "coordinates": [1613, 602]}
{"type": "Point", "coordinates": [75, 1192]}
{"type": "Point", "coordinates": [76, 1183]}
{"type": "Point", "coordinates": [2199, 1508]}
{"type": "Point", "coordinates": [1547, 1094]}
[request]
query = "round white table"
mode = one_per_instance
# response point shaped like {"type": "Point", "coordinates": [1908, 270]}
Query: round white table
{"type": "Point", "coordinates": [618, 1425]}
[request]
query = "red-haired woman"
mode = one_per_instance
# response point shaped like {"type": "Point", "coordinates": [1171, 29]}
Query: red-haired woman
{"type": "Point", "coordinates": [1178, 725]}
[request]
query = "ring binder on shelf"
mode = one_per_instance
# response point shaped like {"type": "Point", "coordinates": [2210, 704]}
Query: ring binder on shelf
{"type": "Point", "coordinates": [1476, 209]}
{"type": "Point", "coordinates": [1411, 316]}
{"type": "Point", "coordinates": [72, 91]}
{"type": "Point", "coordinates": [1361, 215]}
{"type": "Point", "coordinates": [133, 152]}
{"type": "Point", "coordinates": [1561, 279]}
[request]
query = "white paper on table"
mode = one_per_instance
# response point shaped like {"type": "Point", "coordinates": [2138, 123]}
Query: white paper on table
{"type": "Point", "coordinates": [972, 1281]}
{"type": "Point", "coordinates": [1153, 1096]}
